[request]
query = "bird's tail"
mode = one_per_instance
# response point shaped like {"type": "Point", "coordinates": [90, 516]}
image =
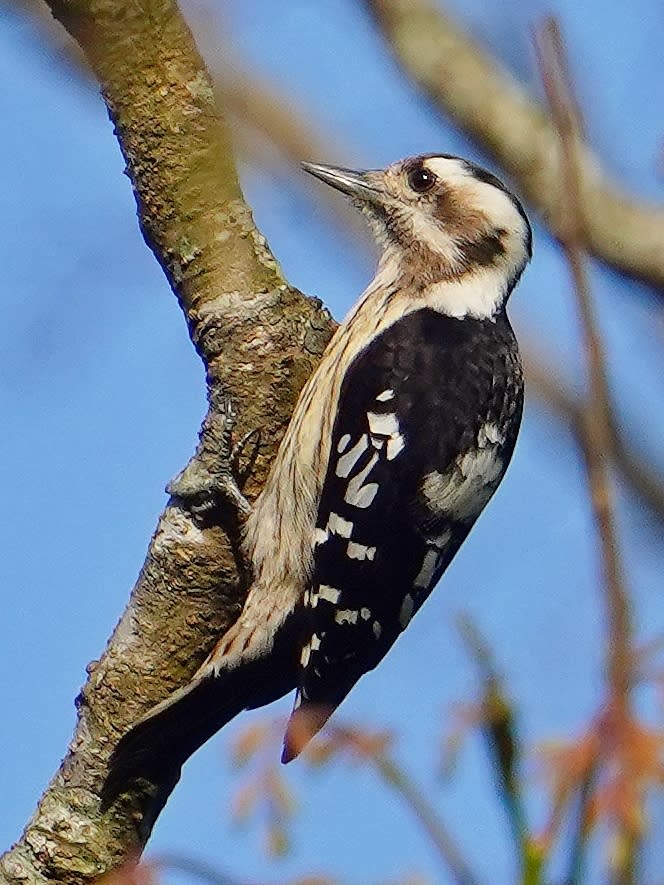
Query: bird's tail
{"type": "Point", "coordinates": [159, 744]}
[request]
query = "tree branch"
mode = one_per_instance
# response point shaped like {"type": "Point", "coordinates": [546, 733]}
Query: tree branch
{"type": "Point", "coordinates": [596, 444]}
{"type": "Point", "coordinates": [259, 340]}
{"type": "Point", "coordinates": [641, 476]}
{"type": "Point", "coordinates": [489, 104]}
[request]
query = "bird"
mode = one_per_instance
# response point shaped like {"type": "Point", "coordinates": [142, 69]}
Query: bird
{"type": "Point", "coordinates": [398, 441]}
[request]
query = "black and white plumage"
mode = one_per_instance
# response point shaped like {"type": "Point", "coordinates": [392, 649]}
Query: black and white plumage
{"type": "Point", "coordinates": [398, 441]}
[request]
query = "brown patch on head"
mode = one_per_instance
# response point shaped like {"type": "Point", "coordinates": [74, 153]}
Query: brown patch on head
{"type": "Point", "coordinates": [484, 251]}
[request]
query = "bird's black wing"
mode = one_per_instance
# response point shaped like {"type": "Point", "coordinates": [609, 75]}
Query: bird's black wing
{"type": "Point", "coordinates": [399, 498]}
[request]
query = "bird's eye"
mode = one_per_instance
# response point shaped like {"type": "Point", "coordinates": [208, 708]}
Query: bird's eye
{"type": "Point", "coordinates": [421, 180]}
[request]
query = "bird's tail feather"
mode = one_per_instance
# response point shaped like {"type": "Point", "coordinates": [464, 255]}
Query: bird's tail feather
{"type": "Point", "coordinates": [158, 745]}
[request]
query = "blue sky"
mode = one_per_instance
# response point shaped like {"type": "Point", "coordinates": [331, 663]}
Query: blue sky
{"type": "Point", "coordinates": [102, 396]}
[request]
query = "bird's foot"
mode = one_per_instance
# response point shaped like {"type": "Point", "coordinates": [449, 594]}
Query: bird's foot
{"type": "Point", "coordinates": [210, 486]}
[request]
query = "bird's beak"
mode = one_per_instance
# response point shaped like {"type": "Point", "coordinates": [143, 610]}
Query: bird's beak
{"type": "Point", "coordinates": [355, 184]}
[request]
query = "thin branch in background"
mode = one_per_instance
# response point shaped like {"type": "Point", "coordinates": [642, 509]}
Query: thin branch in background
{"type": "Point", "coordinates": [640, 476]}
{"type": "Point", "coordinates": [596, 439]}
{"type": "Point", "coordinates": [581, 830]}
{"type": "Point", "coordinates": [255, 745]}
{"type": "Point", "coordinates": [497, 721]}
{"type": "Point", "coordinates": [470, 86]}
{"type": "Point", "coordinates": [376, 751]}
{"type": "Point", "coordinates": [596, 426]}
{"type": "Point", "coordinates": [202, 872]}
{"type": "Point", "coordinates": [397, 779]}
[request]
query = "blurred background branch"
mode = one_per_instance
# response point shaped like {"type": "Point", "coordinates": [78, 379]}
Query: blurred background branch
{"type": "Point", "coordinates": [493, 108]}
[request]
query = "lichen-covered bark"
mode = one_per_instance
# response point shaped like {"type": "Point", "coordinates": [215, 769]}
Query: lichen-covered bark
{"type": "Point", "coordinates": [487, 103]}
{"type": "Point", "coordinates": [259, 340]}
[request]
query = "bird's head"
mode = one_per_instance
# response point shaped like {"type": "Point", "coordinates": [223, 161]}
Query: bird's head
{"type": "Point", "coordinates": [440, 219]}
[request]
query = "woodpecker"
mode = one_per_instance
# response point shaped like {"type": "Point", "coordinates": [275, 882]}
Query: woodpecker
{"type": "Point", "coordinates": [397, 442]}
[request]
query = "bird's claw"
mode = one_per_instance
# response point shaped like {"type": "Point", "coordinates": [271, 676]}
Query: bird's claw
{"type": "Point", "coordinates": [210, 484]}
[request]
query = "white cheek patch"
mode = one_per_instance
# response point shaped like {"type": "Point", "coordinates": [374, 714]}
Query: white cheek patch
{"type": "Point", "coordinates": [462, 492]}
{"type": "Point", "coordinates": [495, 204]}
{"type": "Point", "coordinates": [482, 196]}
{"type": "Point", "coordinates": [435, 237]}
{"type": "Point", "coordinates": [483, 291]}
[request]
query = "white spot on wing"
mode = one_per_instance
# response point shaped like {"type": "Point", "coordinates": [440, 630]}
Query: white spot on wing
{"type": "Point", "coordinates": [362, 497]}
{"type": "Point", "coordinates": [306, 654]}
{"type": "Point", "coordinates": [489, 434]}
{"type": "Point", "coordinates": [365, 614]}
{"type": "Point", "coordinates": [359, 495]}
{"type": "Point", "coordinates": [339, 526]}
{"type": "Point", "coordinates": [342, 445]}
{"type": "Point", "coordinates": [360, 551]}
{"type": "Point", "coordinates": [425, 575]}
{"type": "Point", "coordinates": [346, 463]}
{"type": "Point", "coordinates": [406, 611]}
{"type": "Point", "coordinates": [395, 445]}
{"type": "Point", "coordinates": [346, 616]}
{"type": "Point", "coordinates": [386, 426]}
{"type": "Point", "coordinates": [385, 396]}
{"type": "Point", "coordinates": [481, 466]}
{"type": "Point", "coordinates": [377, 629]}
{"type": "Point", "coordinates": [463, 491]}
{"type": "Point", "coordinates": [331, 594]}
{"type": "Point", "coordinates": [440, 541]}
{"type": "Point", "coordinates": [320, 536]}
{"type": "Point", "coordinates": [383, 425]}
{"type": "Point", "coordinates": [315, 642]}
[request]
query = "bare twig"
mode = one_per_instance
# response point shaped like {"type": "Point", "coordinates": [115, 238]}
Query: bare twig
{"type": "Point", "coordinates": [581, 830]}
{"type": "Point", "coordinates": [198, 870]}
{"type": "Point", "coordinates": [641, 476]}
{"type": "Point", "coordinates": [596, 438]}
{"type": "Point", "coordinates": [497, 720]}
{"type": "Point", "coordinates": [398, 780]}
{"type": "Point", "coordinates": [516, 131]}
{"type": "Point", "coordinates": [255, 745]}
